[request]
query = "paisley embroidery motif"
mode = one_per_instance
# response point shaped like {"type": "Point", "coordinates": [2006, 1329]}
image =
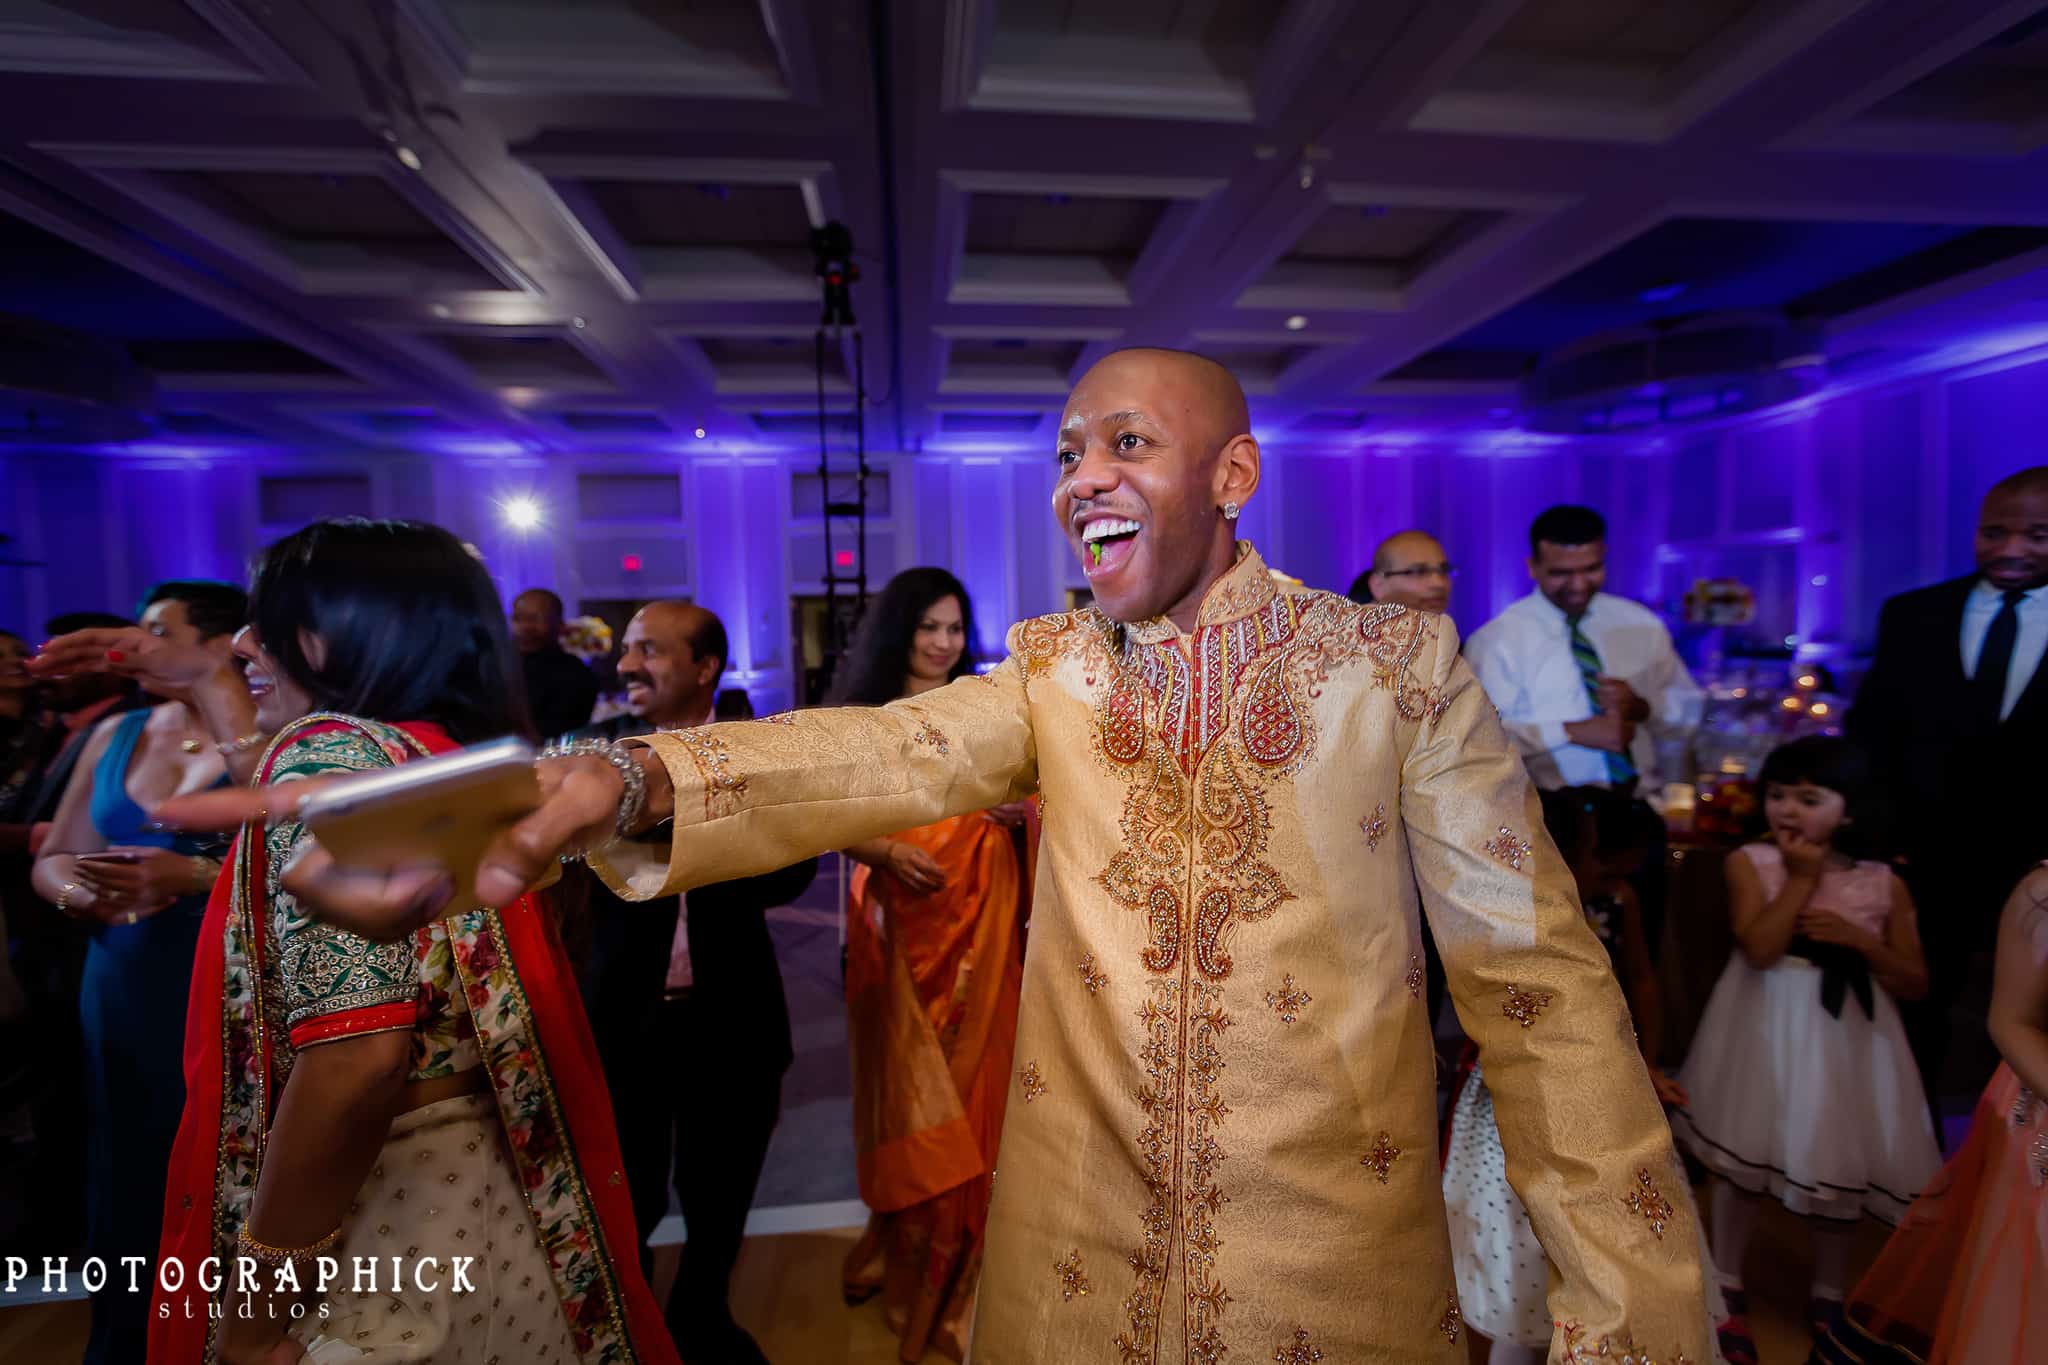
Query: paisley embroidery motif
{"type": "Point", "coordinates": [1198, 728]}
{"type": "Point", "coordinates": [1120, 722]}
{"type": "Point", "coordinates": [1036, 642]}
{"type": "Point", "coordinates": [1272, 730]}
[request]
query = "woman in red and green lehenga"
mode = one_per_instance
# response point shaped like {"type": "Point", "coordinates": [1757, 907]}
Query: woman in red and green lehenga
{"type": "Point", "coordinates": [426, 1099]}
{"type": "Point", "coordinates": [934, 968]}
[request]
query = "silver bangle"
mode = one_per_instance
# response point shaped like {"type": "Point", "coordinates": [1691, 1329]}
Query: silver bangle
{"type": "Point", "coordinates": [631, 802]}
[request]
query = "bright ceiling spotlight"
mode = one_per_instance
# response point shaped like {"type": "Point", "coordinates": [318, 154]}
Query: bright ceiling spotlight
{"type": "Point", "coordinates": [1297, 322]}
{"type": "Point", "coordinates": [521, 513]}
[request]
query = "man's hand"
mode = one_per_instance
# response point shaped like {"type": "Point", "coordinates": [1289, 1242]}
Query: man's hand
{"type": "Point", "coordinates": [916, 869]}
{"type": "Point", "coordinates": [1010, 815]}
{"type": "Point", "coordinates": [579, 808]}
{"type": "Point", "coordinates": [1608, 731]}
{"type": "Point", "coordinates": [1621, 699]}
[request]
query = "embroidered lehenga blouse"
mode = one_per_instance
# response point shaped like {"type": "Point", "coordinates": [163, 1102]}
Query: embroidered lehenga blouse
{"type": "Point", "coordinates": [331, 983]}
{"type": "Point", "coordinates": [1220, 1142]}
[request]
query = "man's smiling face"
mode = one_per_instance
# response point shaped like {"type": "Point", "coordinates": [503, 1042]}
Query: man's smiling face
{"type": "Point", "coordinates": [1141, 473]}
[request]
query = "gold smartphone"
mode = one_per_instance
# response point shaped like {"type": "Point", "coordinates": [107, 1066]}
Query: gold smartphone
{"type": "Point", "coordinates": [442, 810]}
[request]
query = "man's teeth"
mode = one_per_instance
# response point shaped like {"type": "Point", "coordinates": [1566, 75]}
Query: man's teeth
{"type": "Point", "coordinates": [1098, 530]}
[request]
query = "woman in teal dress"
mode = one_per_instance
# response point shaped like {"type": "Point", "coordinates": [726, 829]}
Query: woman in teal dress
{"type": "Point", "coordinates": [143, 894]}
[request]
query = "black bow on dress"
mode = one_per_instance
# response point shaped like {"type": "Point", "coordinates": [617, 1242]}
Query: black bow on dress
{"type": "Point", "coordinates": [1841, 969]}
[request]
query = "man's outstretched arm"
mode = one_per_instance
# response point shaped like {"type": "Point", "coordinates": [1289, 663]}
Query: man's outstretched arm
{"type": "Point", "coordinates": [1588, 1148]}
{"type": "Point", "coordinates": [751, 796]}
{"type": "Point", "coordinates": [746, 798]}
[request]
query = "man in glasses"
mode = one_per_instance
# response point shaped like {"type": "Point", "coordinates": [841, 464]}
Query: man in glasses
{"type": "Point", "coordinates": [1409, 567]}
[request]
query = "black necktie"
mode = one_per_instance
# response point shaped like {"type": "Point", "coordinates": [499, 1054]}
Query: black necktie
{"type": "Point", "coordinates": [1994, 661]}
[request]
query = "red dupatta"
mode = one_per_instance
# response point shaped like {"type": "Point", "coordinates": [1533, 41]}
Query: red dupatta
{"type": "Point", "coordinates": [545, 1076]}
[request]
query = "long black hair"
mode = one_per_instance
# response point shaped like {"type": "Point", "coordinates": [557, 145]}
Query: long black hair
{"type": "Point", "coordinates": [213, 609]}
{"type": "Point", "coordinates": [876, 663]}
{"type": "Point", "coordinates": [410, 624]}
{"type": "Point", "coordinates": [1841, 767]}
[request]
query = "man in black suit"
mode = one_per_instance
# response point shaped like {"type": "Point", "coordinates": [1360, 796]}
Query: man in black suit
{"type": "Point", "coordinates": [560, 688]}
{"type": "Point", "coordinates": [688, 1012]}
{"type": "Point", "coordinates": [1954, 711]}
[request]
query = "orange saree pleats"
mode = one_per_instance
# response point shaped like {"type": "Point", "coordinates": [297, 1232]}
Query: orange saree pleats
{"type": "Point", "coordinates": [932, 984]}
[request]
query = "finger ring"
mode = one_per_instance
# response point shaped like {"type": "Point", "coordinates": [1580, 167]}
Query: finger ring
{"type": "Point", "coordinates": [129, 917]}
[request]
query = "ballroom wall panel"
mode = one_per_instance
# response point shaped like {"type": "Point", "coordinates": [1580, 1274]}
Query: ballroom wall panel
{"type": "Point", "coordinates": [1824, 511]}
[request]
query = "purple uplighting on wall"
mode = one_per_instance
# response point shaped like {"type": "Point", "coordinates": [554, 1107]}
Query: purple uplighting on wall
{"type": "Point", "coordinates": [1823, 510]}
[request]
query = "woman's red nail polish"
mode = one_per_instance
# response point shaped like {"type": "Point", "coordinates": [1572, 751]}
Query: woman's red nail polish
{"type": "Point", "coordinates": [115, 656]}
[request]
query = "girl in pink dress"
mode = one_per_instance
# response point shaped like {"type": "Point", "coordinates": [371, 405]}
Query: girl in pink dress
{"type": "Point", "coordinates": [1964, 1281]}
{"type": "Point", "coordinates": [1801, 1083]}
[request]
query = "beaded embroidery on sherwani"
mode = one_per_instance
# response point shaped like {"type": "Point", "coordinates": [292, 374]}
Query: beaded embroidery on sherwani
{"type": "Point", "coordinates": [1199, 727]}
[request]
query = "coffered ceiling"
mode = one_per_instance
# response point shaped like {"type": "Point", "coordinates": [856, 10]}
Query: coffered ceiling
{"type": "Point", "coordinates": [531, 225]}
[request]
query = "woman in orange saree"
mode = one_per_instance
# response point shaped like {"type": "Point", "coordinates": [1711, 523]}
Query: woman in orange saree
{"type": "Point", "coordinates": [934, 965]}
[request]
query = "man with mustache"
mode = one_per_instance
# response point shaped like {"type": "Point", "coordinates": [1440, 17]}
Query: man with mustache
{"type": "Point", "coordinates": [1954, 711]}
{"type": "Point", "coordinates": [685, 1001]}
{"type": "Point", "coordinates": [1221, 1134]}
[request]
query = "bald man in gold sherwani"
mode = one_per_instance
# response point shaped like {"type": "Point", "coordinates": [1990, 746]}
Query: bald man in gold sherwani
{"type": "Point", "coordinates": [1221, 1140]}
{"type": "Point", "coordinates": [1221, 1137]}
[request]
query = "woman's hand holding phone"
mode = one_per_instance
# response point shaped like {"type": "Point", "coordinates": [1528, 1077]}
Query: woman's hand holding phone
{"type": "Point", "coordinates": [133, 881]}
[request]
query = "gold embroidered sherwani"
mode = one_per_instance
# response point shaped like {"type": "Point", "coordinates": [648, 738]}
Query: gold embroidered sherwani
{"type": "Point", "coordinates": [1221, 1136]}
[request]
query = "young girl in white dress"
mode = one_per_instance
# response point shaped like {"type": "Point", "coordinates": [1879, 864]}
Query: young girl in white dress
{"type": "Point", "coordinates": [1503, 1276]}
{"type": "Point", "coordinates": [1801, 1084]}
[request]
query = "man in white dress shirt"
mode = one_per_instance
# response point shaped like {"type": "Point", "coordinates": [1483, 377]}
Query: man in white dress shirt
{"type": "Point", "coordinates": [1954, 712]}
{"type": "Point", "coordinates": [1587, 683]}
